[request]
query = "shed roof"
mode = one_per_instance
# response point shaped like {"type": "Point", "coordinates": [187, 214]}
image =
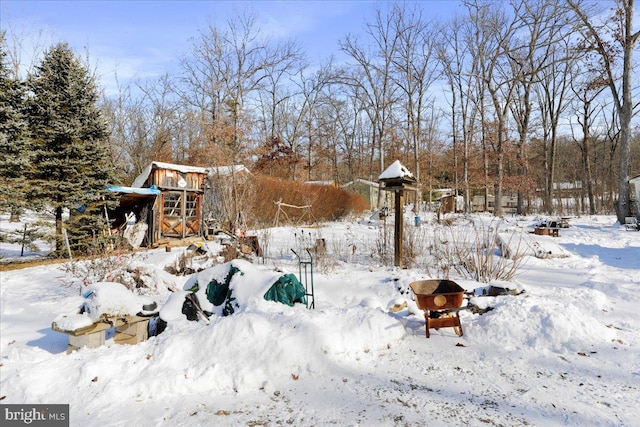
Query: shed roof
{"type": "Point", "coordinates": [210, 171]}
{"type": "Point", "coordinates": [361, 181]}
{"type": "Point", "coordinates": [319, 182]}
{"type": "Point", "coordinates": [227, 170]}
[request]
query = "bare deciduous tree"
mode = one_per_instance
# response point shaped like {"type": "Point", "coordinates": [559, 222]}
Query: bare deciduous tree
{"type": "Point", "coordinates": [415, 71]}
{"type": "Point", "coordinates": [552, 91]}
{"type": "Point", "coordinates": [311, 88]}
{"type": "Point", "coordinates": [496, 31]}
{"type": "Point", "coordinates": [586, 91]}
{"type": "Point", "coordinates": [372, 74]}
{"type": "Point", "coordinates": [544, 27]}
{"type": "Point", "coordinates": [460, 70]}
{"type": "Point", "coordinates": [601, 38]}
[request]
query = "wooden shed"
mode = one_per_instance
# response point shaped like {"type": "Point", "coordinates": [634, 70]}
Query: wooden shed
{"type": "Point", "coordinates": [451, 203]}
{"type": "Point", "coordinates": [177, 212]}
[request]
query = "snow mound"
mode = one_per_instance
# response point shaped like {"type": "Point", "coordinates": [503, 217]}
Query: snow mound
{"type": "Point", "coordinates": [71, 322]}
{"type": "Point", "coordinates": [111, 299]}
{"type": "Point", "coordinates": [147, 279]}
{"type": "Point", "coordinates": [257, 349]}
{"type": "Point", "coordinates": [248, 285]}
{"type": "Point", "coordinates": [171, 311]}
{"type": "Point", "coordinates": [541, 323]}
{"type": "Point", "coordinates": [514, 245]}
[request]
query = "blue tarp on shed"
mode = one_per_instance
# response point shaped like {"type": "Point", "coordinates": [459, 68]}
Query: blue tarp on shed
{"type": "Point", "coordinates": [151, 191]}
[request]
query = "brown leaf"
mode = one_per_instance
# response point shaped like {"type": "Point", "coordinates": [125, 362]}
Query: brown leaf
{"type": "Point", "coordinates": [460, 345]}
{"type": "Point", "coordinates": [295, 377]}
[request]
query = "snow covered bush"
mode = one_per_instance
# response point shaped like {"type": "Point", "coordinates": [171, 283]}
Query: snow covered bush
{"type": "Point", "coordinates": [97, 269]}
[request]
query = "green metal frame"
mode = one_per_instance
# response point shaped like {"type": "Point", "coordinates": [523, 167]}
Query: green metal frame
{"type": "Point", "coordinates": [307, 279]}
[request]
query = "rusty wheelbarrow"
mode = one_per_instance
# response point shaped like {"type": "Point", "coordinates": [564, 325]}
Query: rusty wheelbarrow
{"type": "Point", "coordinates": [441, 301]}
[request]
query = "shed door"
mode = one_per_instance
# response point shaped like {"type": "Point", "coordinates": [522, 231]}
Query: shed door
{"type": "Point", "coordinates": [192, 214]}
{"type": "Point", "coordinates": [180, 214]}
{"type": "Point", "coordinates": [172, 214]}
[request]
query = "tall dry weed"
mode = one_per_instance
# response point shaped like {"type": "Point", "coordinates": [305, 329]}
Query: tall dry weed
{"type": "Point", "coordinates": [472, 252]}
{"type": "Point", "coordinates": [293, 203]}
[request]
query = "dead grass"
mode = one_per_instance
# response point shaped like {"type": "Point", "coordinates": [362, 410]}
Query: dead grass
{"type": "Point", "coordinates": [327, 203]}
{"type": "Point", "coordinates": [17, 265]}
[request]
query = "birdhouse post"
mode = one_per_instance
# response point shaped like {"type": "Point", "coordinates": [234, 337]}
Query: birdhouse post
{"type": "Point", "coordinates": [398, 179]}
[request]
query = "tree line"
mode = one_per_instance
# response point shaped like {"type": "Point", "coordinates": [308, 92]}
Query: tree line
{"type": "Point", "coordinates": [519, 97]}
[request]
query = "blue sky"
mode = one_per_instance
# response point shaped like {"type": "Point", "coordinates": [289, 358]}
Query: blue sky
{"type": "Point", "coordinates": [139, 39]}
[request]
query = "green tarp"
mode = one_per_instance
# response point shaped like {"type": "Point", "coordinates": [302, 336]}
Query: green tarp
{"type": "Point", "coordinates": [217, 293]}
{"type": "Point", "coordinates": [286, 290]}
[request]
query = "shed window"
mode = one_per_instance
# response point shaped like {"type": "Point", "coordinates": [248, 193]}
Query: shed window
{"type": "Point", "coordinates": [172, 204]}
{"type": "Point", "coordinates": [191, 205]}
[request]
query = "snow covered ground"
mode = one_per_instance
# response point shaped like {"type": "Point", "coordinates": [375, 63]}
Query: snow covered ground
{"type": "Point", "coordinates": [566, 351]}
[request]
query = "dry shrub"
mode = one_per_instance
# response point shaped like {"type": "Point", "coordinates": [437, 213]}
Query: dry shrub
{"type": "Point", "coordinates": [98, 268]}
{"type": "Point", "coordinates": [183, 265]}
{"type": "Point", "coordinates": [415, 241]}
{"type": "Point", "coordinates": [472, 253]}
{"type": "Point", "coordinates": [327, 203]}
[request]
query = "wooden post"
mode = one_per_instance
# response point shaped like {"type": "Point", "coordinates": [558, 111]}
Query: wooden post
{"type": "Point", "coordinates": [398, 179]}
{"type": "Point", "coordinates": [399, 225]}
{"type": "Point", "coordinates": [24, 239]}
{"type": "Point", "coordinates": [66, 242]}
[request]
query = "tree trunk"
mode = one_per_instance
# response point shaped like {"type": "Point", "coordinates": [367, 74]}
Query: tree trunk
{"type": "Point", "coordinates": [626, 110]}
{"type": "Point", "coordinates": [59, 239]}
{"type": "Point", "coordinates": [588, 177]}
{"type": "Point", "coordinates": [497, 204]}
{"type": "Point", "coordinates": [623, 15]}
{"type": "Point", "coordinates": [586, 163]}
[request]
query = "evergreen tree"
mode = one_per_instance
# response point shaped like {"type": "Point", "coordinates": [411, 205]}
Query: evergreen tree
{"type": "Point", "coordinates": [71, 161]}
{"type": "Point", "coordinates": [14, 142]}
